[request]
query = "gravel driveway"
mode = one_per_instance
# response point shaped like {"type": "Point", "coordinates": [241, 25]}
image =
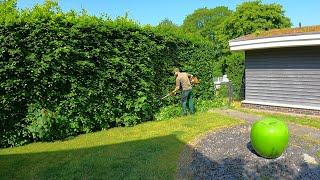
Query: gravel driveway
{"type": "Point", "coordinates": [228, 154]}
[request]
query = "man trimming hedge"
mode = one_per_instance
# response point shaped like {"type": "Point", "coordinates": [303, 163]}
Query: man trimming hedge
{"type": "Point", "coordinates": [183, 81]}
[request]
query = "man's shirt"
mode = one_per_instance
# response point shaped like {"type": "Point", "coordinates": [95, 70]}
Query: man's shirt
{"type": "Point", "coordinates": [183, 81]}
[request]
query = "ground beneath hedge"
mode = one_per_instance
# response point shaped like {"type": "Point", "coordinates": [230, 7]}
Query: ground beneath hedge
{"type": "Point", "coordinates": [228, 154]}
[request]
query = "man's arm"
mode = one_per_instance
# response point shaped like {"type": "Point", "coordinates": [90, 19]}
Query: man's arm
{"type": "Point", "coordinates": [177, 86]}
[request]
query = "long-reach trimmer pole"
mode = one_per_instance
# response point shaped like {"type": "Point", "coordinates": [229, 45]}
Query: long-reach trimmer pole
{"type": "Point", "coordinates": [165, 96]}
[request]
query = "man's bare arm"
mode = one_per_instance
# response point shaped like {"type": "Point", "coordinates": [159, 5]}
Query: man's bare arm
{"type": "Point", "coordinates": [177, 86]}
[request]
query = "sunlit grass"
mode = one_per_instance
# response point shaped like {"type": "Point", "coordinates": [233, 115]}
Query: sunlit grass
{"type": "Point", "coordinates": [147, 151]}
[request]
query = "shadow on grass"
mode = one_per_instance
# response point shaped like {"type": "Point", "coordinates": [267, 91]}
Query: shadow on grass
{"type": "Point", "coordinates": [155, 158]}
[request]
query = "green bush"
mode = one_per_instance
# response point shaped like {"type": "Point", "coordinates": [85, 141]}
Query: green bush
{"type": "Point", "coordinates": [175, 110]}
{"type": "Point", "coordinates": [169, 112]}
{"type": "Point", "coordinates": [233, 66]}
{"type": "Point", "coordinates": [235, 71]}
{"type": "Point", "coordinates": [45, 125]}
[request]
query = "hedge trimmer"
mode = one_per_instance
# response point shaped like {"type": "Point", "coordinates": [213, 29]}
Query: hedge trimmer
{"type": "Point", "coordinates": [166, 96]}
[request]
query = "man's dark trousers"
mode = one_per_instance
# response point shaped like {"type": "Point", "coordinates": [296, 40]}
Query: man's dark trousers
{"type": "Point", "coordinates": [187, 102]}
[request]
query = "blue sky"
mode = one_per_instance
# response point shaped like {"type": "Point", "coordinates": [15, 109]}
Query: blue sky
{"type": "Point", "coordinates": [152, 12]}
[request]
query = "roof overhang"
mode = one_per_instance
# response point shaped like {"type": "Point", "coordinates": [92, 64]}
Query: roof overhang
{"type": "Point", "coordinates": [275, 42]}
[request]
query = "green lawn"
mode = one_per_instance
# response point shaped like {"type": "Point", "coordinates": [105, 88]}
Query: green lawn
{"type": "Point", "coordinates": [147, 151]}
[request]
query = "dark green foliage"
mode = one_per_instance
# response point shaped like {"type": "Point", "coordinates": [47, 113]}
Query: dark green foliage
{"type": "Point", "coordinates": [64, 74]}
{"type": "Point", "coordinates": [200, 63]}
{"type": "Point", "coordinates": [235, 71]}
{"type": "Point", "coordinates": [45, 125]}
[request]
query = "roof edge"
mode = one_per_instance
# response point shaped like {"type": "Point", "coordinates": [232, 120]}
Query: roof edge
{"type": "Point", "coordinates": [276, 42]}
{"type": "Point", "coordinates": [283, 35]}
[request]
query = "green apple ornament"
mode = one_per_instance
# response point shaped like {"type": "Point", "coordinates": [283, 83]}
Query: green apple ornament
{"type": "Point", "coordinates": [269, 137]}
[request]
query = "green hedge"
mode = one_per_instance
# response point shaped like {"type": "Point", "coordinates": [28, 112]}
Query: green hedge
{"type": "Point", "coordinates": [64, 74]}
{"type": "Point", "coordinates": [235, 70]}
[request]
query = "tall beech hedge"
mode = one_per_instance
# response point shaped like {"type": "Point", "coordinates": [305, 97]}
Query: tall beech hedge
{"type": "Point", "coordinates": [63, 74]}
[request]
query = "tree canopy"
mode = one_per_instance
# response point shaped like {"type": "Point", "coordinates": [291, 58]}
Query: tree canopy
{"type": "Point", "coordinates": [253, 16]}
{"type": "Point", "coordinates": [206, 21]}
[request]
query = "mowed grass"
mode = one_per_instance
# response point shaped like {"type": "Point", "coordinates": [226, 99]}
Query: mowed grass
{"type": "Point", "coordinates": [146, 151]}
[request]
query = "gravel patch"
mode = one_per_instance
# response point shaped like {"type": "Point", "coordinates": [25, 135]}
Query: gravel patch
{"type": "Point", "coordinates": [228, 154]}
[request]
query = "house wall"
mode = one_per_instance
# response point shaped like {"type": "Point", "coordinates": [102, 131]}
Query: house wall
{"type": "Point", "coordinates": [284, 76]}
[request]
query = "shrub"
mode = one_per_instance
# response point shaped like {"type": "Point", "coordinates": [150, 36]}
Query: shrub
{"type": "Point", "coordinates": [169, 112]}
{"type": "Point", "coordinates": [234, 67]}
{"type": "Point", "coordinates": [175, 110]}
{"type": "Point", "coordinates": [45, 125]}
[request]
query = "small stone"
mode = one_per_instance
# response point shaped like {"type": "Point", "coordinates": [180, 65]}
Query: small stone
{"type": "Point", "coordinates": [309, 159]}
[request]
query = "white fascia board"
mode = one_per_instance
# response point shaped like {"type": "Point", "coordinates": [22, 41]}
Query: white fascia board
{"type": "Point", "coordinates": [281, 105]}
{"type": "Point", "coordinates": [274, 42]}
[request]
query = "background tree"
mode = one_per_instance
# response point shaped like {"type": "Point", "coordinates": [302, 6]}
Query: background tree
{"type": "Point", "coordinates": [206, 21]}
{"type": "Point", "coordinates": [253, 16]}
{"type": "Point", "coordinates": [167, 25]}
{"type": "Point", "coordinates": [167, 22]}
{"type": "Point", "coordinates": [8, 10]}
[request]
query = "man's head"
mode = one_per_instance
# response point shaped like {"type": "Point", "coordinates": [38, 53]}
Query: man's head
{"type": "Point", "coordinates": [176, 71]}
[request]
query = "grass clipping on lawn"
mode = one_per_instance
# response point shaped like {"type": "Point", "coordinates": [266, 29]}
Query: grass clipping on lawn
{"type": "Point", "coordinates": [149, 150]}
